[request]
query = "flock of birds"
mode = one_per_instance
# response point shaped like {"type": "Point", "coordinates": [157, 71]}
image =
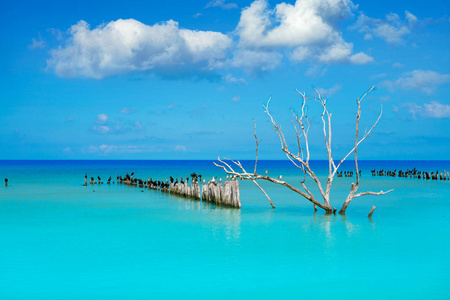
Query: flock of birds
{"type": "Point", "coordinates": [346, 174]}
{"type": "Point", "coordinates": [129, 179]}
{"type": "Point", "coordinates": [414, 173]}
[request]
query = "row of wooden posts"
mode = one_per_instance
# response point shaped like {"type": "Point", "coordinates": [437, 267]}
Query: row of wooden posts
{"type": "Point", "coordinates": [226, 194]}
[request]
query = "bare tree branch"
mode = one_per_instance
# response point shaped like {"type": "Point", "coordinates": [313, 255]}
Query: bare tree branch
{"type": "Point", "coordinates": [257, 145]}
{"type": "Point", "coordinates": [372, 193]}
{"type": "Point", "coordinates": [303, 148]}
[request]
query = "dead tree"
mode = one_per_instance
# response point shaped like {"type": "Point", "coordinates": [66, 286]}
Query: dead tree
{"type": "Point", "coordinates": [301, 157]}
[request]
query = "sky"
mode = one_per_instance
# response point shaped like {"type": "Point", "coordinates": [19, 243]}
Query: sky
{"type": "Point", "coordinates": [187, 79]}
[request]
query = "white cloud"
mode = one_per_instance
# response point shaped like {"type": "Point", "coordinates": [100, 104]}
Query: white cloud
{"type": "Point", "coordinates": [38, 43]}
{"type": "Point", "coordinates": [305, 23]}
{"type": "Point", "coordinates": [315, 71]}
{"type": "Point", "coordinates": [410, 17]}
{"type": "Point", "coordinates": [117, 149]}
{"type": "Point", "coordinates": [392, 29]}
{"type": "Point", "coordinates": [395, 108]}
{"type": "Point", "coordinates": [102, 118]}
{"type": "Point", "coordinates": [331, 91]}
{"type": "Point", "coordinates": [230, 79]}
{"type": "Point", "coordinates": [56, 33]}
{"type": "Point", "coordinates": [256, 60]}
{"type": "Point", "coordinates": [172, 105]}
{"type": "Point", "coordinates": [67, 150]}
{"type": "Point", "coordinates": [92, 149]}
{"type": "Point", "coordinates": [236, 99]}
{"type": "Point", "coordinates": [139, 125]}
{"type": "Point", "coordinates": [398, 65]}
{"type": "Point", "coordinates": [342, 53]}
{"type": "Point", "coordinates": [434, 110]}
{"type": "Point", "coordinates": [106, 125]}
{"type": "Point", "coordinates": [101, 129]}
{"type": "Point", "coordinates": [221, 4]}
{"type": "Point", "coordinates": [378, 76]}
{"type": "Point", "coordinates": [107, 148]}
{"type": "Point", "coordinates": [424, 80]}
{"type": "Point", "coordinates": [128, 45]}
{"type": "Point", "coordinates": [308, 28]}
{"type": "Point", "coordinates": [128, 110]}
{"type": "Point", "coordinates": [180, 148]}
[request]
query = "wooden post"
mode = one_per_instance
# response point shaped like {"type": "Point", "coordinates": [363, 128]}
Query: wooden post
{"type": "Point", "coordinates": [371, 212]}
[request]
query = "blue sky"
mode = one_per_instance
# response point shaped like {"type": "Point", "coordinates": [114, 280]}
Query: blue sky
{"type": "Point", "coordinates": [184, 79]}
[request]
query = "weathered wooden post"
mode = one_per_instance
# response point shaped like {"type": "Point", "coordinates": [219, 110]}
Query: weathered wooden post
{"type": "Point", "coordinates": [235, 197]}
{"type": "Point", "coordinates": [205, 193]}
{"type": "Point", "coordinates": [371, 212]}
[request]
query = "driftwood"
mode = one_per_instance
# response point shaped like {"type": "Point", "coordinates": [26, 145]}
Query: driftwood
{"type": "Point", "coordinates": [301, 157]}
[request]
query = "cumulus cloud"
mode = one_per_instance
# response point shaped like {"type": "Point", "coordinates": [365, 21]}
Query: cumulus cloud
{"type": "Point", "coordinates": [230, 79]}
{"type": "Point", "coordinates": [341, 52]}
{"type": "Point", "coordinates": [434, 110]}
{"type": "Point", "coordinates": [424, 80]}
{"type": "Point", "coordinates": [392, 29]}
{"type": "Point", "coordinates": [307, 28]}
{"type": "Point", "coordinates": [256, 60]}
{"type": "Point", "coordinates": [306, 31]}
{"type": "Point", "coordinates": [128, 45]}
{"type": "Point", "coordinates": [221, 4]}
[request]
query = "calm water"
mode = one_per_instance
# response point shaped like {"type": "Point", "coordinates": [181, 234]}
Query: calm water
{"type": "Point", "coordinates": [61, 240]}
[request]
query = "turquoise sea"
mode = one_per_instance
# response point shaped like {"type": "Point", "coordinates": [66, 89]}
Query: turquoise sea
{"type": "Point", "coordinates": [62, 240]}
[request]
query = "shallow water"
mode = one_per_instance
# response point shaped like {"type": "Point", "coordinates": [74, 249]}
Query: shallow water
{"type": "Point", "coordinates": [61, 240]}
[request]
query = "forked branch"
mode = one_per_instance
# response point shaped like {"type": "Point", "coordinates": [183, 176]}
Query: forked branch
{"type": "Point", "coordinates": [301, 126]}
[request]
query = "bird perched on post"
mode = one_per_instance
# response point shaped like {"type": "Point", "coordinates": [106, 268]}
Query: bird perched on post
{"type": "Point", "coordinates": [280, 177]}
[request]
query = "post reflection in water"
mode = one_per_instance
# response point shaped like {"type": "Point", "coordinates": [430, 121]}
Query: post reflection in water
{"type": "Point", "coordinates": [350, 227]}
{"type": "Point", "coordinates": [220, 219]}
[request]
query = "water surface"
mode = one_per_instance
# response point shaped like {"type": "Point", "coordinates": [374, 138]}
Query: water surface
{"type": "Point", "coordinates": [61, 240]}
